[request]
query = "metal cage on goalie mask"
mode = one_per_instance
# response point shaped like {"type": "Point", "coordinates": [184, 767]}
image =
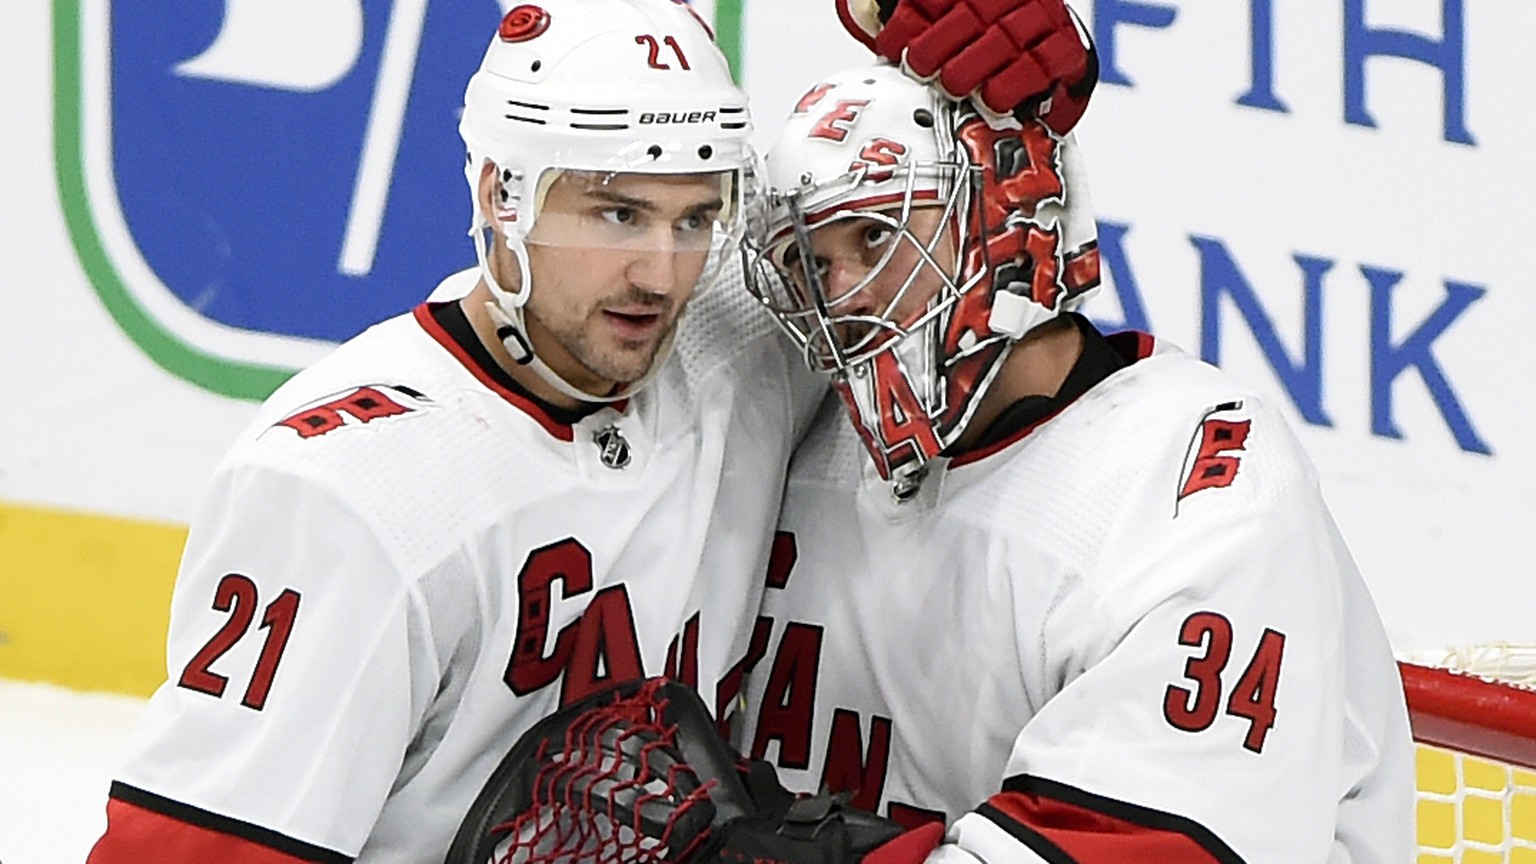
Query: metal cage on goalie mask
{"type": "Point", "coordinates": [605, 87]}
{"type": "Point", "coordinates": [968, 240]}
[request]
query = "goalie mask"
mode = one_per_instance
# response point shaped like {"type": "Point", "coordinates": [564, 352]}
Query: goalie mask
{"type": "Point", "coordinates": [908, 245]}
{"type": "Point", "coordinates": [608, 88]}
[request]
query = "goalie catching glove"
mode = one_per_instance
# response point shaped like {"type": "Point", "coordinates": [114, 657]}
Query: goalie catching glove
{"type": "Point", "coordinates": [1030, 58]}
{"type": "Point", "coordinates": [638, 774]}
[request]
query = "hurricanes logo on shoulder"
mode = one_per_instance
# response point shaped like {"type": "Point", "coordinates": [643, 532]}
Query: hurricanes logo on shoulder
{"type": "Point", "coordinates": [354, 408]}
{"type": "Point", "coordinates": [1212, 460]}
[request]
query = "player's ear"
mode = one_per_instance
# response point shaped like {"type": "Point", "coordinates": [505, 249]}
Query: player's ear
{"type": "Point", "coordinates": [489, 192]}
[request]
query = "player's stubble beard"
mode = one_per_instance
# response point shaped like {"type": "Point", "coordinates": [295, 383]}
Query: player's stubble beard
{"type": "Point", "coordinates": [561, 328]}
{"type": "Point", "coordinates": [586, 339]}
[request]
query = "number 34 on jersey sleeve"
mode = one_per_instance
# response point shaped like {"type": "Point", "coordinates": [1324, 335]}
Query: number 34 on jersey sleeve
{"type": "Point", "coordinates": [1238, 718]}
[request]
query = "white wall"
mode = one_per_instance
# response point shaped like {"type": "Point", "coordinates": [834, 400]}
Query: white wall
{"type": "Point", "coordinates": [1430, 477]}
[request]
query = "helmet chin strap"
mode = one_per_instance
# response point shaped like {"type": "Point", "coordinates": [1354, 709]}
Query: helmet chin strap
{"type": "Point", "coordinates": [506, 310]}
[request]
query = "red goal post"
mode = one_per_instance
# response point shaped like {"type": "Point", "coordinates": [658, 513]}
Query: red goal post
{"type": "Point", "coordinates": [1476, 731]}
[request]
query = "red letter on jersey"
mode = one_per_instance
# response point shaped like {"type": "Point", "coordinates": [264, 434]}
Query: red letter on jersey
{"type": "Point", "coordinates": [1253, 699]}
{"type": "Point", "coordinates": [843, 770]}
{"type": "Point", "coordinates": [606, 649]}
{"type": "Point", "coordinates": [782, 559]}
{"type": "Point", "coordinates": [789, 698]}
{"type": "Point", "coordinates": [686, 668]}
{"type": "Point", "coordinates": [236, 594]}
{"type": "Point", "coordinates": [569, 563]}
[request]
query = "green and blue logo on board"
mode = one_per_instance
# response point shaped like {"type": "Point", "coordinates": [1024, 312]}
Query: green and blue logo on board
{"type": "Point", "coordinates": [248, 183]}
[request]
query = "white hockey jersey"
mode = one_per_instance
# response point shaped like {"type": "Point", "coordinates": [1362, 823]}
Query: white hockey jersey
{"type": "Point", "coordinates": [403, 564]}
{"type": "Point", "coordinates": [1129, 633]}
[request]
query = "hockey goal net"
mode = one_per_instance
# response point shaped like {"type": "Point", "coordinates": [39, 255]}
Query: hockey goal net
{"type": "Point", "coordinates": [1474, 718]}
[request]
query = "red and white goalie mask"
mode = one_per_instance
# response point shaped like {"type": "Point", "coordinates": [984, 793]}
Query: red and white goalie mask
{"type": "Point", "coordinates": [908, 245]}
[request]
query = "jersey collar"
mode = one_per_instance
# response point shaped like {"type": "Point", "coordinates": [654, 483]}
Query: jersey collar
{"type": "Point", "coordinates": [447, 324]}
{"type": "Point", "coordinates": [1102, 356]}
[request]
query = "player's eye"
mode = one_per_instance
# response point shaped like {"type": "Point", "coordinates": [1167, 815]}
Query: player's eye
{"type": "Point", "coordinates": [797, 273]}
{"type": "Point", "coordinates": [822, 266]}
{"type": "Point", "coordinates": [789, 259]}
{"type": "Point", "coordinates": [877, 236]}
{"type": "Point", "coordinates": [619, 215]}
{"type": "Point", "coordinates": [695, 223]}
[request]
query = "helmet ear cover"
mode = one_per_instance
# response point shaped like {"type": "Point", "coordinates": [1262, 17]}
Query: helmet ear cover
{"type": "Point", "coordinates": [1015, 209]}
{"type": "Point", "coordinates": [544, 102]}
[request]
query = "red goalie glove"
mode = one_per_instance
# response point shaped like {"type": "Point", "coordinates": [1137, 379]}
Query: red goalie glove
{"type": "Point", "coordinates": [1027, 57]}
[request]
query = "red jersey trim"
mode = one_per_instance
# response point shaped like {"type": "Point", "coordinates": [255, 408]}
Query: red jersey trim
{"type": "Point", "coordinates": [143, 826]}
{"type": "Point", "coordinates": [554, 427]}
{"type": "Point", "coordinates": [1066, 825]}
{"type": "Point", "coordinates": [1133, 345]}
{"type": "Point", "coordinates": [911, 847]}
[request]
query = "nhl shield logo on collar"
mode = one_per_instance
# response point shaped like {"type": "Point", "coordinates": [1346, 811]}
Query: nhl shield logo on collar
{"type": "Point", "coordinates": [613, 447]}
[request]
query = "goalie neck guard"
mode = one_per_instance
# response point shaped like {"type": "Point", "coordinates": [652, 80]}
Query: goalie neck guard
{"type": "Point", "coordinates": [605, 87]}
{"type": "Point", "coordinates": [909, 245]}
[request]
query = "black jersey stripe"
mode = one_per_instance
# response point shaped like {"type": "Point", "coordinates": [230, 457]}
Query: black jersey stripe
{"type": "Point", "coordinates": [225, 825]}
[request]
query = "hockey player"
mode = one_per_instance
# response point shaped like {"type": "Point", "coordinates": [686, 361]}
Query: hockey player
{"type": "Point", "coordinates": [1076, 596]}
{"type": "Point", "coordinates": [481, 510]}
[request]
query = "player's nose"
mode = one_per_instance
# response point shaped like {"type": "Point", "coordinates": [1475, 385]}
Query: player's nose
{"type": "Point", "coordinates": [657, 270]}
{"type": "Point", "coordinates": [841, 282]}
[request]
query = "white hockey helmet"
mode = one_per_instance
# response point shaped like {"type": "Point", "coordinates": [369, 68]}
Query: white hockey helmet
{"type": "Point", "coordinates": [1015, 246]}
{"type": "Point", "coordinates": [603, 86]}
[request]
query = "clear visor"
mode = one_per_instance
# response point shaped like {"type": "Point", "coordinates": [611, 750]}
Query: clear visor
{"type": "Point", "coordinates": [692, 217]}
{"type": "Point", "coordinates": [639, 211]}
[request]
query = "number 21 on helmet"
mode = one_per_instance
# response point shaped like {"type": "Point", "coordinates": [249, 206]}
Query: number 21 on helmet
{"type": "Point", "coordinates": [607, 87]}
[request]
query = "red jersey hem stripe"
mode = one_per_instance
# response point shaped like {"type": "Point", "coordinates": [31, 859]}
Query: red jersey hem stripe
{"type": "Point", "coordinates": [143, 826]}
{"type": "Point", "coordinates": [1065, 824]}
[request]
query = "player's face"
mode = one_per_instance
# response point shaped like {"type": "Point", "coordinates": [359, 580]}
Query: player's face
{"type": "Point", "coordinates": [615, 258]}
{"type": "Point", "coordinates": [871, 273]}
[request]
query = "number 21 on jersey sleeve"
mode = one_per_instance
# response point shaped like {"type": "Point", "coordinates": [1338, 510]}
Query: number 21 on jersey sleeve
{"type": "Point", "coordinates": [236, 595]}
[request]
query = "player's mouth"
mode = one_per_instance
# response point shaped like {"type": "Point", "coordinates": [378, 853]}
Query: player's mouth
{"type": "Point", "coordinates": [635, 324]}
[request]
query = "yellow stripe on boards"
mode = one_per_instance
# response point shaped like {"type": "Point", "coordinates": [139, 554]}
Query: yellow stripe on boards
{"type": "Point", "coordinates": [85, 599]}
